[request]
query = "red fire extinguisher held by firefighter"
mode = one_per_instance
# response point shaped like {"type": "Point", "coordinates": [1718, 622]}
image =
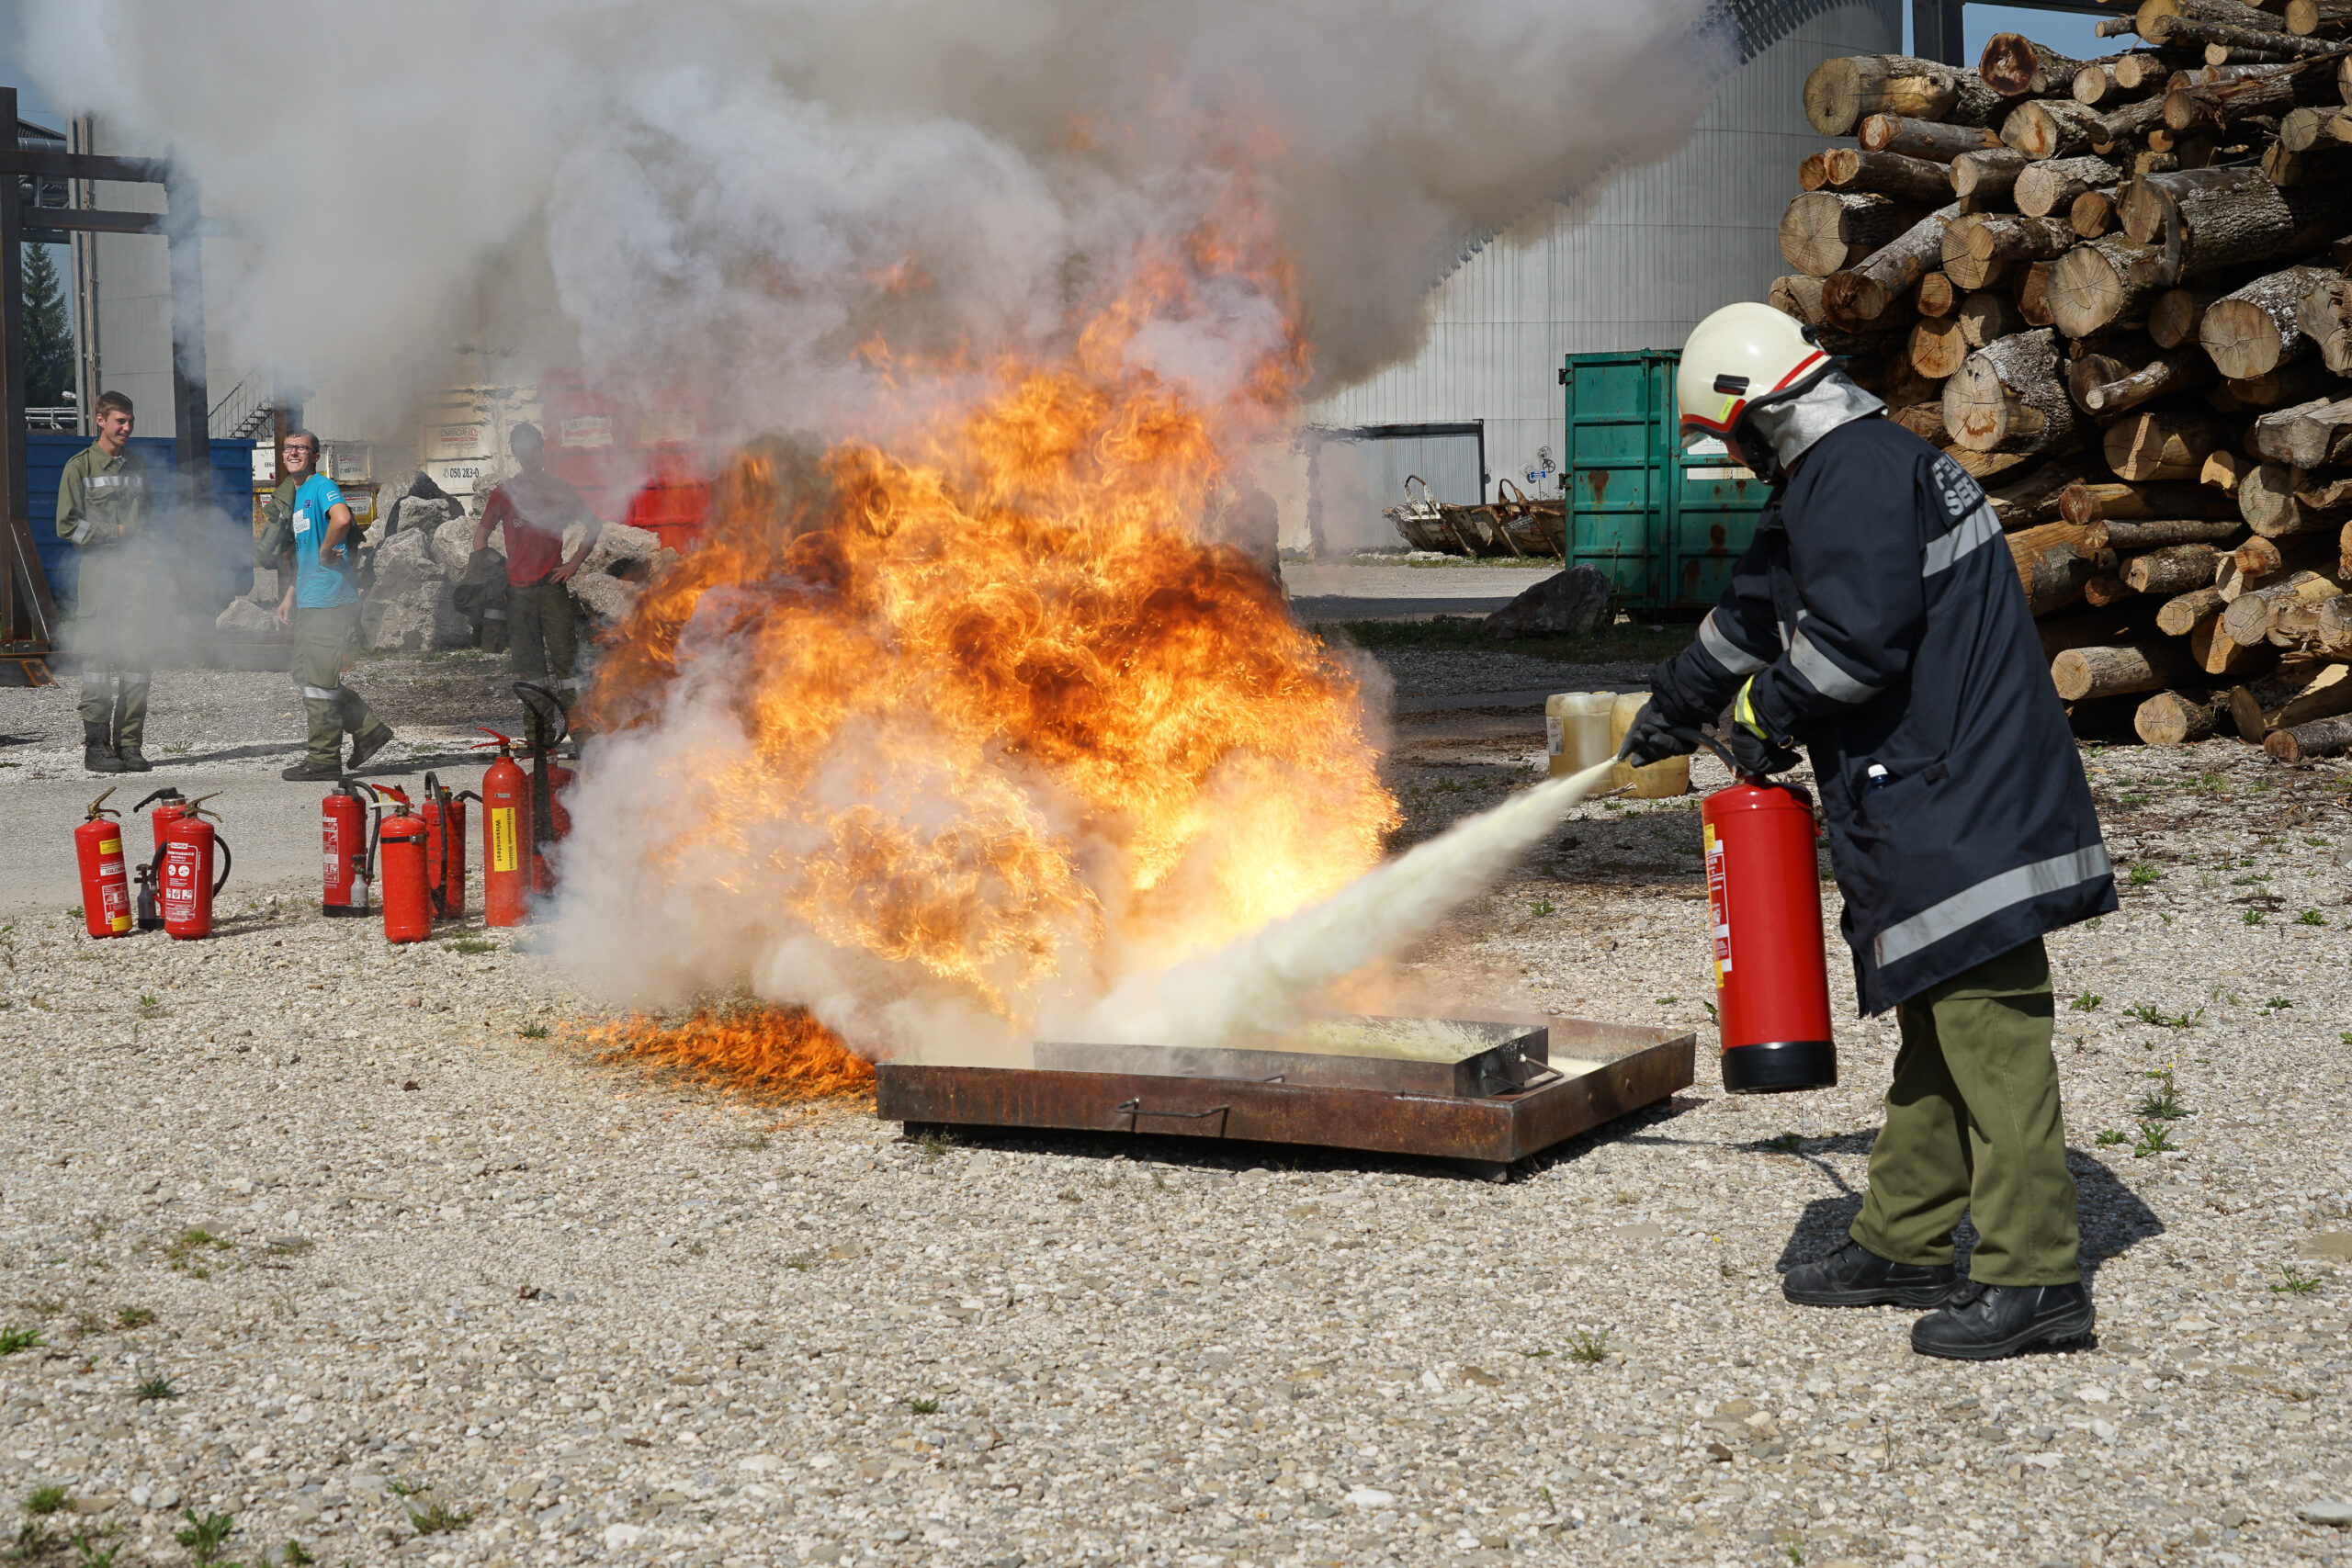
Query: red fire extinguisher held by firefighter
{"type": "Point", "coordinates": [185, 883]}
{"type": "Point", "coordinates": [505, 836]}
{"type": "Point", "coordinates": [1764, 910]}
{"type": "Point", "coordinates": [346, 851]}
{"type": "Point", "coordinates": [106, 885]}
{"type": "Point", "coordinates": [444, 813]}
{"type": "Point", "coordinates": [400, 841]}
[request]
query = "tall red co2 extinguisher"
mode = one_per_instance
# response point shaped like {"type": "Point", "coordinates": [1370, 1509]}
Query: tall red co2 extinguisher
{"type": "Point", "coordinates": [505, 836]}
{"type": "Point", "coordinates": [343, 840]}
{"type": "Point", "coordinates": [185, 881]}
{"type": "Point", "coordinates": [400, 841]}
{"type": "Point", "coordinates": [106, 885]}
{"type": "Point", "coordinates": [1764, 902]}
{"type": "Point", "coordinates": [169, 805]}
{"type": "Point", "coordinates": [551, 823]}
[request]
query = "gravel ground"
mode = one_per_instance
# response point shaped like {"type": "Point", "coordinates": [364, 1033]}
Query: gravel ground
{"type": "Point", "coordinates": [376, 1231]}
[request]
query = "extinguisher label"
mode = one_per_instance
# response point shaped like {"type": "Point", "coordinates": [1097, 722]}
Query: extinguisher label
{"type": "Point", "coordinates": [1554, 734]}
{"type": "Point", "coordinates": [116, 903]}
{"type": "Point", "coordinates": [1718, 905]}
{"type": "Point", "coordinates": [503, 855]}
{"type": "Point", "coordinates": [333, 842]}
{"type": "Point", "coordinates": [110, 846]}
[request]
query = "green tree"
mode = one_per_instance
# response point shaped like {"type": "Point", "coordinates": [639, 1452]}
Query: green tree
{"type": "Point", "coordinates": [49, 332]}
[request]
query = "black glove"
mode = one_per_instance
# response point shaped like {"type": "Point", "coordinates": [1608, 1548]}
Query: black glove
{"type": "Point", "coordinates": [1753, 756]}
{"type": "Point", "coordinates": [1753, 753]}
{"type": "Point", "coordinates": [1653, 737]}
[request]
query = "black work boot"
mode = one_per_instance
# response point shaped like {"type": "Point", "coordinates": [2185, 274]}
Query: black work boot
{"type": "Point", "coordinates": [306, 769]}
{"type": "Point", "coordinates": [1855, 1276]}
{"type": "Point", "coordinates": [132, 759]}
{"type": "Point", "coordinates": [368, 745]}
{"type": "Point", "coordinates": [97, 749]}
{"type": "Point", "coordinates": [1985, 1323]}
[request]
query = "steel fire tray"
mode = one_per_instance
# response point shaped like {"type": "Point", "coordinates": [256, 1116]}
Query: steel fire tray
{"type": "Point", "coordinates": [1588, 1073]}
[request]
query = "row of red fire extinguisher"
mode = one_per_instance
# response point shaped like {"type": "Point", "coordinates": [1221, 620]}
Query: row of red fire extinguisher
{"type": "Point", "coordinates": [414, 850]}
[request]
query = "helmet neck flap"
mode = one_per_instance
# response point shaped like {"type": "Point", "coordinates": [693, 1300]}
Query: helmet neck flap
{"type": "Point", "coordinates": [1776, 430]}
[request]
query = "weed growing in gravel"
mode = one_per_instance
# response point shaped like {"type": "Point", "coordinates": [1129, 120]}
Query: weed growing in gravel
{"type": "Point", "coordinates": [2143, 874]}
{"type": "Point", "coordinates": [1541, 907]}
{"type": "Point", "coordinates": [801, 1262]}
{"type": "Point", "coordinates": [931, 1146]}
{"type": "Point", "coordinates": [470, 944]}
{"type": "Point", "coordinates": [533, 1032]}
{"type": "Point", "coordinates": [294, 1556]}
{"type": "Point", "coordinates": [43, 1501]}
{"type": "Point", "coordinates": [2311, 917]}
{"type": "Point", "coordinates": [150, 1007]}
{"type": "Point", "coordinates": [2095, 921]}
{"type": "Point", "coordinates": [1588, 1346]}
{"type": "Point", "coordinates": [2155, 1138]}
{"type": "Point", "coordinates": [89, 1556]}
{"type": "Point", "coordinates": [134, 1317]}
{"type": "Point", "coordinates": [2147, 1014]}
{"type": "Point", "coordinates": [154, 1388]}
{"type": "Point", "coordinates": [1787, 1142]}
{"type": "Point", "coordinates": [14, 1340]}
{"type": "Point", "coordinates": [2107, 1138]}
{"type": "Point", "coordinates": [184, 1252]}
{"type": "Point", "coordinates": [205, 1537]}
{"type": "Point", "coordinates": [2293, 1281]}
{"type": "Point", "coordinates": [2278, 1004]}
{"type": "Point", "coordinates": [2251, 917]}
{"type": "Point", "coordinates": [923, 1406]}
{"type": "Point", "coordinates": [2161, 1103]}
{"type": "Point", "coordinates": [2087, 1003]}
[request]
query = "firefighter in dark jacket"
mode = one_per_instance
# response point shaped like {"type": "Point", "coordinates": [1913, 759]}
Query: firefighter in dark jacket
{"type": "Point", "coordinates": [1876, 620]}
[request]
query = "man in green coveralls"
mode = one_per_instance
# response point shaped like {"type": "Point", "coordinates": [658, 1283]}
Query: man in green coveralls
{"type": "Point", "coordinates": [322, 600]}
{"type": "Point", "coordinates": [103, 509]}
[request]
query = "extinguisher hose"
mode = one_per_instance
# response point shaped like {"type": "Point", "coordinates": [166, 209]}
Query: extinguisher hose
{"type": "Point", "coordinates": [226, 861]}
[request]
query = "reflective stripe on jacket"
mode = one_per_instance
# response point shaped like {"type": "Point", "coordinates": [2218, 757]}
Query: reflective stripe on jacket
{"type": "Point", "coordinates": [1881, 616]}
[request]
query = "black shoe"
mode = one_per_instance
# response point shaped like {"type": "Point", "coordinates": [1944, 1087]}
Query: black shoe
{"type": "Point", "coordinates": [97, 749]}
{"type": "Point", "coordinates": [307, 769]}
{"type": "Point", "coordinates": [1855, 1276]}
{"type": "Point", "coordinates": [133, 760]}
{"type": "Point", "coordinates": [370, 744]}
{"type": "Point", "coordinates": [1985, 1323]}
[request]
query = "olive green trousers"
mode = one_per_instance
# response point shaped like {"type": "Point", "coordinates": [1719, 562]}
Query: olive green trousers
{"type": "Point", "coordinates": [1973, 1126]}
{"type": "Point", "coordinates": [321, 637]}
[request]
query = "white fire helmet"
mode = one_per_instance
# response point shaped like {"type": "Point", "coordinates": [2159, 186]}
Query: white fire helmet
{"type": "Point", "coordinates": [1742, 354]}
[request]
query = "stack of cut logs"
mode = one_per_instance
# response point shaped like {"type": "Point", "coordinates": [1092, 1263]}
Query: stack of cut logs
{"type": "Point", "coordinates": [2116, 292]}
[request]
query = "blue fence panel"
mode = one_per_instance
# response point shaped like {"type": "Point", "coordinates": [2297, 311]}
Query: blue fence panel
{"type": "Point", "coordinates": [217, 546]}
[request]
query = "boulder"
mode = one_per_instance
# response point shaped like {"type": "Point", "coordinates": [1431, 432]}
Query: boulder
{"type": "Point", "coordinates": [603, 595]}
{"type": "Point", "coordinates": [405, 562]}
{"type": "Point", "coordinates": [416, 513]}
{"type": "Point", "coordinates": [421, 617]}
{"type": "Point", "coordinates": [245, 618]}
{"type": "Point", "coordinates": [637, 551]}
{"type": "Point", "coordinates": [453, 544]}
{"type": "Point", "coordinates": [1574, 603]}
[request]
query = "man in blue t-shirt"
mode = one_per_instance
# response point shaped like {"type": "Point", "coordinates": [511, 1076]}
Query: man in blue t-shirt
{"type": "Point", "coordinates": [322, 600]}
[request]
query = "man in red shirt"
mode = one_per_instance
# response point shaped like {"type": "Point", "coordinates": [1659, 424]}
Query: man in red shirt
{"type": "Point", "coordinates": [535, 507]}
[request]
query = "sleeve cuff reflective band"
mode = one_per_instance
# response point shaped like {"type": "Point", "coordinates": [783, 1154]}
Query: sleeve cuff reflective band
{"type": "Point", "coordinates": [1742, 711]}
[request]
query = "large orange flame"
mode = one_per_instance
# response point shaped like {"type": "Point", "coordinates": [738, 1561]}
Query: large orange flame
{"type": "Point", "coordinates": [780, 1054]}
{"type": "Point", "coordinates": [1031, 731]}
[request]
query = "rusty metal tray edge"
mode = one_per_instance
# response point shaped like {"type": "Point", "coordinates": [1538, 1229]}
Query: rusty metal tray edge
{"type": "Point", "coordinates": [1497, 1130]}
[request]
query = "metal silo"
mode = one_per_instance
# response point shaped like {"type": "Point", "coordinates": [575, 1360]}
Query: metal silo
{"type": "Point", "coordinates": [1633, 265]}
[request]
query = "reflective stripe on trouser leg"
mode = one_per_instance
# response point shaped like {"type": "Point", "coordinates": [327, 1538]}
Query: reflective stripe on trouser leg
{"type": "Point", "coordinates": [1989, 1030]}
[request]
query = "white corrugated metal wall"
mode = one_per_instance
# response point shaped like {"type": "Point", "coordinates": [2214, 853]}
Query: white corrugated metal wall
{"type": "Point", "coordinates": [1634, 266]}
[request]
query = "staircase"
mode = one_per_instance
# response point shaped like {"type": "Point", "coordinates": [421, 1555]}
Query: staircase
{"type": "Point", "coordinates": [244, 413]}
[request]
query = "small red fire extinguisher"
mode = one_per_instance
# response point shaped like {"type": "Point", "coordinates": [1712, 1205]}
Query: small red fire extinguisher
{"type": "Point", "coordinates": [342, 837]}
{"type": "Point", "coordinates": [444, 847]}
{"type": "Point", "coordinates": [187, 883]}
{"type": "Point", "coordinates": [1764, 902]}
{"type": "Point", "coordinates": [505, 836]}
{"type": "Point", "coordinates": [106, 885]}
{"type": "Point", "coordinates": [400, 841]}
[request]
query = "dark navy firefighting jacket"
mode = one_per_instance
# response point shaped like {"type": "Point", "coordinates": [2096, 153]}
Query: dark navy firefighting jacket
{"type": "Point", "coordinates": [1880, 613]}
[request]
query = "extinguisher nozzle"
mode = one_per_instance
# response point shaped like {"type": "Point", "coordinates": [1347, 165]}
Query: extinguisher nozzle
{"type": "Point", "coordinates": [1780, 1066]}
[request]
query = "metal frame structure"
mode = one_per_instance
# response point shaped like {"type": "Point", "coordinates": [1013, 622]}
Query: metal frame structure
{"type": "Point", "coordinates": [27, 613]}
{"type": "Point", "coordinates": [1936, 34]}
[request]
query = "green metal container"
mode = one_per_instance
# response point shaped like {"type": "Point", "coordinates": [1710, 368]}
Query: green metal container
{"type": "Point", "coordinates": [1665, 526]}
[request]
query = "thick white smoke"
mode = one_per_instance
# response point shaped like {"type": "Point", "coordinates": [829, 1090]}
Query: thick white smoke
{"type": "Point", "coordinates": [735, 196]}
{"type": "Point", "coordinates": [780, 204]}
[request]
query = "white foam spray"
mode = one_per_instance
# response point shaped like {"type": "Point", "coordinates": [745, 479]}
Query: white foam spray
{"type": "Point", "coordinates": [1263, 984]}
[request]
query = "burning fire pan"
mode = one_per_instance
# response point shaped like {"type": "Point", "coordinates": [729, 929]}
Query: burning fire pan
{"type": "Point", "coordinates": [1541, 1082]}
